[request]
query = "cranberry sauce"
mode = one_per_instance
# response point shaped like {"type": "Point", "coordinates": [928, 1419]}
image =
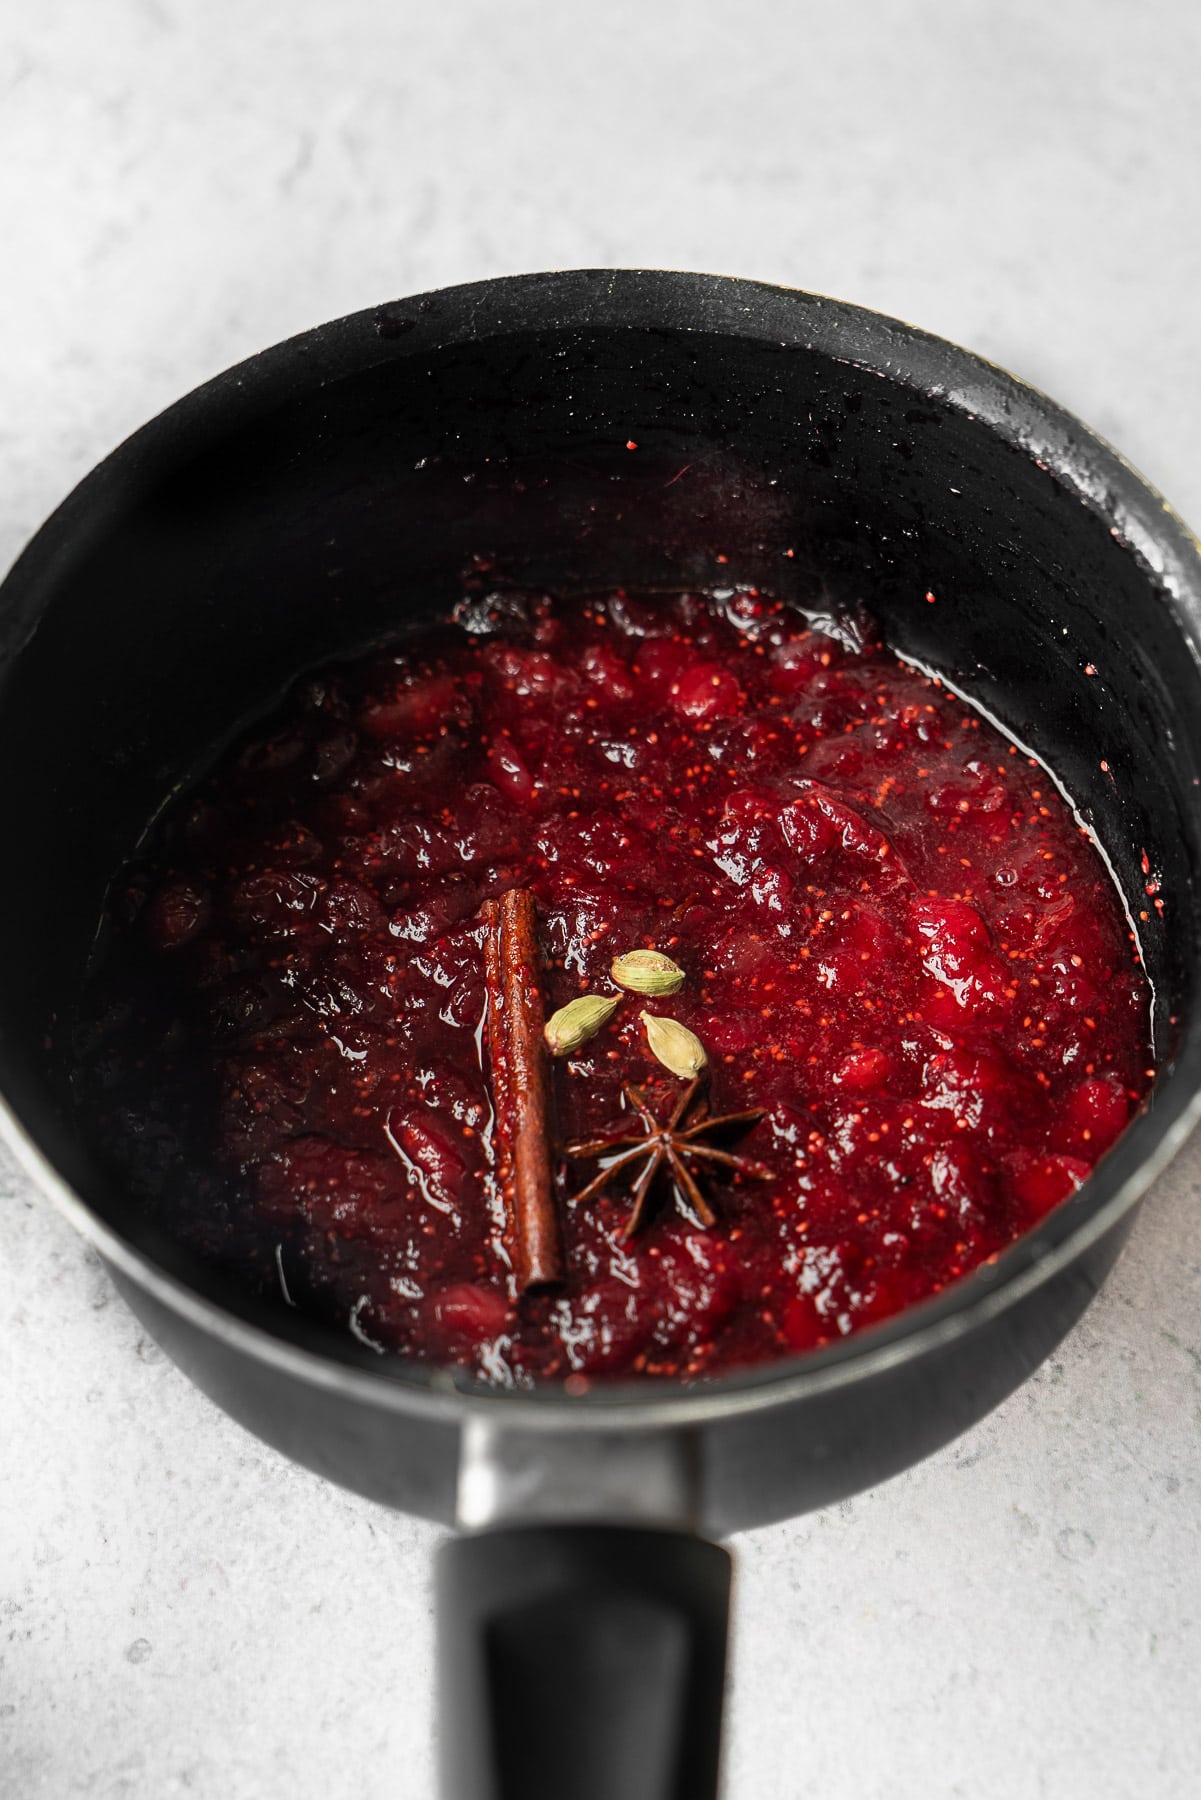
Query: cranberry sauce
{"type": "Point", "coordinates": [896, 941]}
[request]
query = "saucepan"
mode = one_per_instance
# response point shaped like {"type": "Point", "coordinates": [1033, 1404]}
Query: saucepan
{"type": "Point", "coordinates": [573, 431]}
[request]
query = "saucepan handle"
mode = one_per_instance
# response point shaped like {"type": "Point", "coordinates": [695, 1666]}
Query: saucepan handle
{"type": "Point", "coordinates": [581, 1662]}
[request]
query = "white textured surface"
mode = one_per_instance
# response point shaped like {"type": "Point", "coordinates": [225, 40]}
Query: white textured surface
{"type": "Point", "coordinates": [182, 1613]}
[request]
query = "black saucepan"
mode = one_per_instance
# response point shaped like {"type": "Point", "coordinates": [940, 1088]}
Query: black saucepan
{"type": "Point", "coordinates": [336, 487]}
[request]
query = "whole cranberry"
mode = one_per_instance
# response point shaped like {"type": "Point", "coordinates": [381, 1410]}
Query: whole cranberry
{"type": "Point", "coordinates": [176, 914]}
{"type": "Point", "coordinates": [707, 692]}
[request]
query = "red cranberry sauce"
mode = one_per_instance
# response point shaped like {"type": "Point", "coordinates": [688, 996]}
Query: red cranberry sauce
{"type": "Point", "coordinates": [896, 939]}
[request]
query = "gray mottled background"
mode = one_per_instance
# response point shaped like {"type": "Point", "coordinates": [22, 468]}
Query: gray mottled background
{"type": "Point", "coordinates": [181, 1613]}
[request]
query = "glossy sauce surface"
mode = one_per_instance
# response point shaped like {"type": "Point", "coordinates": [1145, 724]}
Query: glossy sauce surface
{"type": "Point", "coordinates": [896, 940]}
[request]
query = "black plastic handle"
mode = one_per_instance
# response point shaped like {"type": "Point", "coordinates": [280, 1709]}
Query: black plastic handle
{"type": "Point", "coordinates": [580, 1662]}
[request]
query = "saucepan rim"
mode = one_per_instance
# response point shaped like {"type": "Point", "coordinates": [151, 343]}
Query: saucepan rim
{"type": "Point", "coordinates": [1139, 519]}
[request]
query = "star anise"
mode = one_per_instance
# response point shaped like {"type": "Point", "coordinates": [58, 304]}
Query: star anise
{"type": "Point", "coordinates": [673, 1145]}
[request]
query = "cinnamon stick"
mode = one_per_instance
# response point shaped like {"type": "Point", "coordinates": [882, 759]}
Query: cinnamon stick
{"type": "Point", "coordinates": [520, 1090]}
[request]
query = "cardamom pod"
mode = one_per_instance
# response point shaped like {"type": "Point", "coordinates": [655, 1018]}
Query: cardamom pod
{"type": "Point", "coordinates": [576, 1022]}
{"type": "Point", "coordinates": [647, 972]}
{"type": "Point", "coordinates": [677, 1048]}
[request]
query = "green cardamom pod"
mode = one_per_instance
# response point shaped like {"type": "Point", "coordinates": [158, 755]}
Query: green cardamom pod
{"type": "Point", "coordinates": [576, 1022]}
{"type": "Point", "coordinates": [647, 972]}
{"type": "Point", "coordinates": [677, 1048]}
